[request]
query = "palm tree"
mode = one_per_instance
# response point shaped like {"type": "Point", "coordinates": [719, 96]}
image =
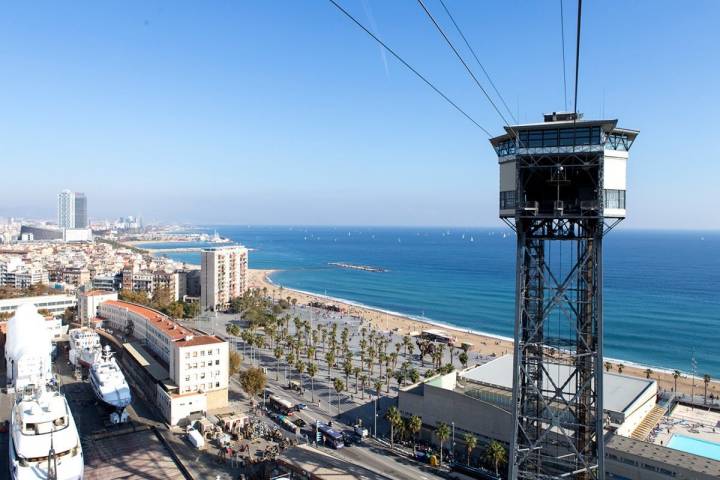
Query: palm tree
{"type": "Point", "coordinates": [414, 427]}
{"type": "Point", "coordinates": [463, 357]}
{"type": "Point", "coordinates": [470, 444]}
{"type": "Point", "coordinates": [377, 384]}
{"type": "Point", "coordinates": [339, 387]}
{"type": "Point", "coordinates": [278, 352]}
{"type": "Point", "coordinates": [300, 367]}
{"type": "Point", "coordinates": [608, 366]}
{"type": "Point", "coordinates": [311, 352]}
{"type": "Point", "coordinates": [648, 372]}
{"type": "Point", "coordinates": [676, 375]}
{"type": "Point", "coordinates": [312, 370]}
{"type": "Point", "coordinates": [496, 455]}
{"type": "Point", "coordinates": [620, 367]}
{"type": "Point", "coordinates": [706, 381]}
{"type": "Point", "coordinates": [406, 343]}
{"type": "Point", "coordinates": [330, 359]}
{"type": "Point", "coordinates": [363, 382]}
{"type": "Point", "coordinates": [442, 432]}
{"type": "Point", "coordinates": [394, 419]}
{"type": "Point", "coordinates": [347, 370]}
{"type": "Point", "coordinates": [356, 372]}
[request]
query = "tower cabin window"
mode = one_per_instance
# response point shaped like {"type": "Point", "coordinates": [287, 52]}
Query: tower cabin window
{"type": "Point", "coordinates": [562, 137]}
{"type": "Point", "coordinates": [615, 199]}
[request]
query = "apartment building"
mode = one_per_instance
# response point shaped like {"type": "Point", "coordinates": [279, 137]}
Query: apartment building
{"type": "Point", "coordinates": [188, 370]}
{"type": "Point", "coordinates": [88, 303]}
{"type": "Point", "coordinates": [223, 276]}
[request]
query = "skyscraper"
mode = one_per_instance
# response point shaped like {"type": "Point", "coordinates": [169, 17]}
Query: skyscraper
{"type": "Point", "coordinates": [81, 220]}
{"type": "Point", "coordinates": [66, 209]}
{"type": "Point", "coordinates": [223, 276]}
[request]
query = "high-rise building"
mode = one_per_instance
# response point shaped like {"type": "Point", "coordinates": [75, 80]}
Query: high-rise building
{"type": "Point", "coordinates": [81, 220]}
{"type": "Point", "coordinates": [223, 276]}
{"type": "Point", "coordinates": [66, 209]}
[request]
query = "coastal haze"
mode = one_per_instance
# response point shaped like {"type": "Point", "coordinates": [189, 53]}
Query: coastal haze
{"type": "Point", "coordinates": [661, 304]}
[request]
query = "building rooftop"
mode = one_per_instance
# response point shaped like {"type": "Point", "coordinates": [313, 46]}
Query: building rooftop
{"type": "Point", "coordinates": [201, 340]}
{"type": "Point", "coordinates": [670, 456]}
{"type": "Point", "coordinates": [162, 322]}
{"type": "Point", "coordinates": [145, 360]}
{"type": "Point", "coordinates": [619, 391]}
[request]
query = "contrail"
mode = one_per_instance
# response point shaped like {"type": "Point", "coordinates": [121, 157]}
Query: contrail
{"type": "Point", "coordinates": [373, 25]}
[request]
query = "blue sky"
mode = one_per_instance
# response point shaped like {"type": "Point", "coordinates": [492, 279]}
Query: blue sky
{"type": "Point", "coordinates": [285, 113]}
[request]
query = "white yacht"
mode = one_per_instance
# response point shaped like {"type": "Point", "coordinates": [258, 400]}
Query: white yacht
{"type": "Point", "coordinates": [108, 381]}
{"type": "Point", "coordinates": [44, 442]}
{"type": "Point", "coordinates": [85, 348]}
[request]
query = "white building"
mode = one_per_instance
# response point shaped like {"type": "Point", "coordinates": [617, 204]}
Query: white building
{"type": "Point", "coordinates": [223, 276]}
{"type": "Point", "coordinates": [88, 303]}
{"type": "Point", "coordinates": [192, 372]}
{"type": "Point", "coordinates": [55, 304]}
{"type": "Point", "coordinates": [66, 209]}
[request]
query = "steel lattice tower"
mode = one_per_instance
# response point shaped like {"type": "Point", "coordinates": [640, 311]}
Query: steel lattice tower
{"type": "Point", "coordinates": [562, 187]}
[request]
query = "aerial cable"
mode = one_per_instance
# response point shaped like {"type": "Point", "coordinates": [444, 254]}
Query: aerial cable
{"type": "Point", "coordinates": [562, 38]}
{"type": "Point", "coordinates": [577, 52]}
{"type": "Point", "coordinates": [418, 74]}
{"type": "Point", "coordinates": [457, 27]}
{"type": "Point", "coordinates": [457, 54]}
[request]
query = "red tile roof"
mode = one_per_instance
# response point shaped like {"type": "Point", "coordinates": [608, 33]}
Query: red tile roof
{"type": "Point", "coordinates": [201, 340]}
{"type": "Point", "coordinates": [95, 293]}
{"type": "Point", "coordinates": [172, 329]}
{"type": "Point", "coordinates": [162, 322]}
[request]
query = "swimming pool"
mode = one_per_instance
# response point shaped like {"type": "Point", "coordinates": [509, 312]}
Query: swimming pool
{"type": "Point", "coordinates": [695, 446]}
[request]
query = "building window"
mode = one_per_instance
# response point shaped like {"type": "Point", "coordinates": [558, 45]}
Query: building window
{"type": "Point", "coordinates": [187, 378]}
{"type": "Point", "coordinates": [507, 200]}
{"type": "Point", "coordinates": [614, 199]}
{"type": "Point", "coordinates": [217, 384]}
{"type": "Point", "coordinates": [217, 362]}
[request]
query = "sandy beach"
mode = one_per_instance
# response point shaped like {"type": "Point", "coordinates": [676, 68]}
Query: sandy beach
{"type": "Point", "coordinates": [484, 344]}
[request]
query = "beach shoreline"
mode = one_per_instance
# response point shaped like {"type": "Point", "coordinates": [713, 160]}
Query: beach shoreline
{"type": "Point", "coordinates": [482, 342]}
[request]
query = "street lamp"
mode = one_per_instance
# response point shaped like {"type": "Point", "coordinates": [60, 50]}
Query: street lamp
{"type": "Point", "coordinates": [453, 438]}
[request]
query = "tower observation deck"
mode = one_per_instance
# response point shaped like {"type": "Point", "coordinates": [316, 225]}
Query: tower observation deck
{"type": "Point", "coordinates": [563, 185]}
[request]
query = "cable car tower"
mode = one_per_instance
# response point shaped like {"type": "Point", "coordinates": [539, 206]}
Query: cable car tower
{"type": "Point", "coordinates": [562, 187]}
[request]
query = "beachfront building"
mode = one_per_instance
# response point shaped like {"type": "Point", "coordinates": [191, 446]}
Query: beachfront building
{"type": "Point", "coordinates": [178, 369]}
{"type": "Point", "coordinates": [486, 391]}
{"type": "Point", "coordinates": [223, 276]}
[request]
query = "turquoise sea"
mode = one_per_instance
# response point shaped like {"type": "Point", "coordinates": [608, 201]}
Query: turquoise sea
{"type": "Point", "coordinates": [661, 287]}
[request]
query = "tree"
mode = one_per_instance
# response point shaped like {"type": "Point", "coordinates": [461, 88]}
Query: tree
{"type": "Point", "coordinates": [676, 374]}
{"type": "Point", "coordinates": [608, 366]}
{"type": "Point", "coordinates": [330, 359]}
{"type": "Point", "coordinates": [68, 315]}
{"type": "Point", "coordinates": [470, 444]}
{"type": "Point", "coordinates": [706, 381]}
{"type": "Point", "coordinates": [648, 372]}
{"type": "Point", "coordinates": [234, 363]}
{"type": "Point", "coordinates": [442, 432]}
{"type": "Point", "coordinates": [278, 353]}
{"type": "Point", "coordinates": [363, 382]}
{"type": "Point", "coordinates": [495, 455]}
{"type": "Point", "coordinates": [356, 372]}
{"type": "Point", "coordinates": [253, 381]}
{"type": "Point", "coordinates": [347, 370]}
{"type": "Point", "coordinates": [414, 427]}
{"type": "Point", "coordinates": [312, 370]}
{"type": "Point", "coordinates": [394, 419]}
{"type": "Point", "coordinates": [620, 367]}
{"type": "Point", "coordinates": [463, 357]}
{"type": "Point", "coordinates": [377, 384]}
{"type": "Point", "coordinates": [300, 367]}
{"type": "Point", "coordinates": [339, 387]}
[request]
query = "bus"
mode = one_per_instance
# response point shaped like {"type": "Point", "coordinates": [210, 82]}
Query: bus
{"type": "Point", "coordinates": [281, 405]}
{"type": "Point", "coordinates": [331, 438]}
